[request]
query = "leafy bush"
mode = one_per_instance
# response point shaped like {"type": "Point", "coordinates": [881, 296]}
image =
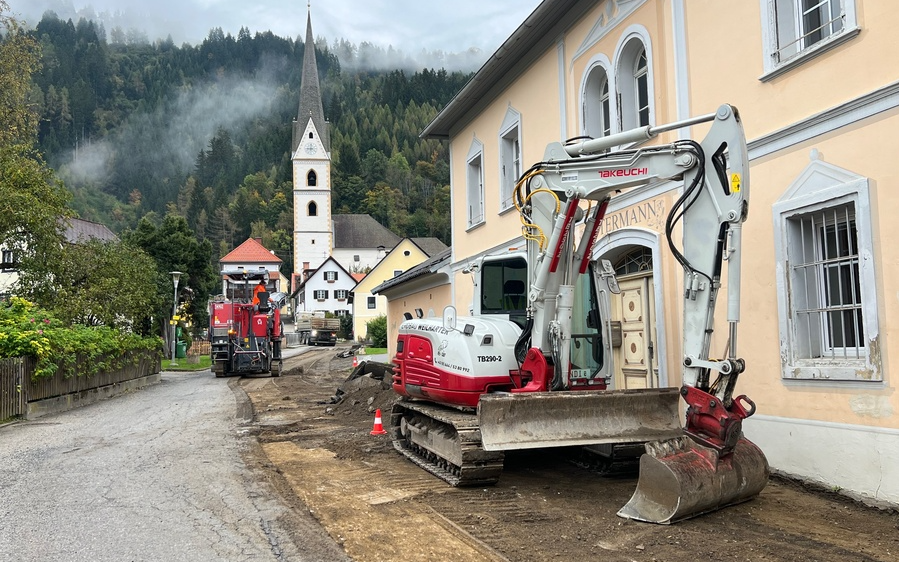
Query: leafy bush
{"type": "Point", "coordinates": [26, 330]}
{"type": "Point", "coordinates": [377, 331]}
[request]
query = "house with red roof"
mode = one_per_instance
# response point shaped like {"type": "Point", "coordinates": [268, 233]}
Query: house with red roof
{"type": "Point", "coordinates": [252, 255]}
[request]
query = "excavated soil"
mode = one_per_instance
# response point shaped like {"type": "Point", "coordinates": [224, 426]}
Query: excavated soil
{"type": "Point", "coordinates": [380, 507]}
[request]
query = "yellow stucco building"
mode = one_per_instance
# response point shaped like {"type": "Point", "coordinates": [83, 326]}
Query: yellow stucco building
{"type": "Point", "coordinates": [818, 92]}
{"type": "Point", "coordinates": [407, 253]}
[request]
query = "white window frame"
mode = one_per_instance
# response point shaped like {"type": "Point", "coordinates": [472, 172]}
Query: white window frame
{"type": "Point", "coordinates": [509, 157]}
{"type": "Point", "coordinates": [474, 185]}
{"type": "Point", "coordinates": [778, 36]}
{"type": "Point", "coordinates": [371, 303]}
{"type": "Point", "coordinates": [330, 276]}
{"type": "Point", "coordinates": [341, 294]}
{"type": "Point", "coordinates": [634, 41]}
{"type": "Point", "coordinates": [598, 110]}
{"type": "Point", "coordinates": [819, 190]}
{"type": "Point", "coordinates": [320, 294]}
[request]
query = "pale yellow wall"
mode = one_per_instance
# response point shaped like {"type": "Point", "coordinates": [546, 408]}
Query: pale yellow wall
{"type": "Point", "coordinates": [846, 403]}
{"type": "Point", "coordinates": [538, 102]}
{"type": "Point", "coordinates": [394, 261]}
{"type": "Point", "coordinates": [726, 61]}
{"type": "Point", "coordinates": [429, 301]}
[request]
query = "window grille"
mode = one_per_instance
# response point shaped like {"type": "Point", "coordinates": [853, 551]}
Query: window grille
{"type": "Point", "coordinates": [827, 293]}
{"type": "Point", "coordinates": [371, 303]}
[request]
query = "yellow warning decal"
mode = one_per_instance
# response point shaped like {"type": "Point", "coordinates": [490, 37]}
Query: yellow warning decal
{"type": "Point", "coordinates": [735, 183]}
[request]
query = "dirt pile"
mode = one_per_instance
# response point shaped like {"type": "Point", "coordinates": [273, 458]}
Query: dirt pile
{"type": "Point", "coordinates": [366, 389]}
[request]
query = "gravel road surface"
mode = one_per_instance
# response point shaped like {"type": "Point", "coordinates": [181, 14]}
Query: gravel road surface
{"type": "Point", "coordinates": [156, 474]}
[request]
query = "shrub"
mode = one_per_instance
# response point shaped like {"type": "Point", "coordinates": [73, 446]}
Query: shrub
{"type": "Point", "coordinates": [27, 330]}
{"type": "Point", "coordinates": [377, 331]}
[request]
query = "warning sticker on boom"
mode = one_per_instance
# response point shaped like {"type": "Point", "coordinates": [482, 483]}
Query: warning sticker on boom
{"type": "Point", "coordinates": [735, 183]}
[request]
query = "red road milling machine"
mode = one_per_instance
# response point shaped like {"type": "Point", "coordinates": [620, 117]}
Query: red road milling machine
{"type": "Point", "coordinates": [246, 329]}
{"type": "Point", "coordinates": [531, 368]}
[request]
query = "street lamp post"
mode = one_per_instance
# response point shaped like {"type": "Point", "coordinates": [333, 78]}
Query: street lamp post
{"type": "Point", "coordinates": [176, 275]}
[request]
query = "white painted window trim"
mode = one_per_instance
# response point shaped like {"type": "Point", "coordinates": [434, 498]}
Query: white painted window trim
{"type": "Point", "coordinates": [624, 63]}
{"type": "Point", "coordinates": [511, 126]}
{"type": "Point", "coordinates": [597, 62]}
{"type": "Point", "coordinates": [772, 68]}
{"type": "Point", "coordinates": [822, 186]}
{"type": "Point", "coordinates": [475, 153]}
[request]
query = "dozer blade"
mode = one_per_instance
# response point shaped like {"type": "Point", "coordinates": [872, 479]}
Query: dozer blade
{"type": "Point", "coordinates": [562, 419]}
{"type": "Point", "coordinates": [680, 479]}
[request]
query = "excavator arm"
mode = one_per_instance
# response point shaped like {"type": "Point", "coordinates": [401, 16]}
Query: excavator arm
{"type": "Point", "coordinates": [710, 210]}
{"type": "Point", "coordinates": [708, 215]}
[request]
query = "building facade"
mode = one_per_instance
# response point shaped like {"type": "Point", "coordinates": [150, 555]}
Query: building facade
{"type": "Point", "coordinates": [818, 97]}
{"type": "Point", "coordinates": [366, 304]}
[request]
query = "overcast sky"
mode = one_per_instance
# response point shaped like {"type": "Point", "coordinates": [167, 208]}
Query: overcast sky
{"type": "Point", "coordinates": [408, 25]}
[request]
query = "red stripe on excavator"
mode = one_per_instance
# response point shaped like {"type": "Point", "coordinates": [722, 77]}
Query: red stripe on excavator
{"type": "Point", "coordinates": [600, 214]}
{"type": "Point", "coordinates": [566, 227]}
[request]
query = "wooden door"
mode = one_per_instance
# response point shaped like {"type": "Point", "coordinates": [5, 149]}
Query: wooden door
{"type": "Point", "coordinates": [635, 364]}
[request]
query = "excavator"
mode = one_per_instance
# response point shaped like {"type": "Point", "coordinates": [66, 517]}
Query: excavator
{"type": "Point", "coordinates": [531, 366]}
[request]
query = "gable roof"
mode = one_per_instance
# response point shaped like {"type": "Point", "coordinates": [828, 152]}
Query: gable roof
{"type": "Point", "coordinates": [78, 230]}
{"type": "Point", "coordinates": [428, 266]}
{"type": "Point", "coordinates": [251, 251]}
{"type": "Point", "coordinates": [430, 246]}
{"type": "Point", "coordinates": [532, 38]}
{"type": "Point", "coordinates": [319, 268]}
{"type": "Point", "coordinates": [361, 231]}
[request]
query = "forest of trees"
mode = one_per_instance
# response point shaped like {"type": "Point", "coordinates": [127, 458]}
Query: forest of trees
{"type": "Point", "coordinates": [141, 130]}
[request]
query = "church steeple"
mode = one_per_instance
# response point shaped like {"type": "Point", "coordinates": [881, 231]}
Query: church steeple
{"type": "Point", "coordinates": [310, 94]}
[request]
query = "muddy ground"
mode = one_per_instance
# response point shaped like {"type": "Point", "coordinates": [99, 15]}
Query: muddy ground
{"type": "Point", "coordinates": [380, 507]}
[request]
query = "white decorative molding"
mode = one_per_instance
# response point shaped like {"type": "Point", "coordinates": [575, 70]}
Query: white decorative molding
{"type": "Point", "coordinates": [616, 11]}
{"type": "Point", "coordinates": [853, 111]}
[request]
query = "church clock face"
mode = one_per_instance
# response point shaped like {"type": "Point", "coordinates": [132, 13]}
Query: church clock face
{"type": "Point", "coordinates": [310, 148]}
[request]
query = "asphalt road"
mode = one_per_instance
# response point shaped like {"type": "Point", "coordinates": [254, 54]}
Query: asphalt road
{"type": "Point", "coordinates": [155, 474]}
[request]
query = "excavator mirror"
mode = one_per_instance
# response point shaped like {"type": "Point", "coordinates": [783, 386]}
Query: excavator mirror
{"type": "Point", "coordinates": [449, 318]}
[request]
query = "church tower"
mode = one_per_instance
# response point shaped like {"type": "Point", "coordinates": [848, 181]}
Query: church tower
{"type": "Point", "coordinates": [311, 156]}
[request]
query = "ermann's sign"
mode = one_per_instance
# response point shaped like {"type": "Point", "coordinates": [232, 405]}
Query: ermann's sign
{"type": "Point", "coordinates": [649, 214]}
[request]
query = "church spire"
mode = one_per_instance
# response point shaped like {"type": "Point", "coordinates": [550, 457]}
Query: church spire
{"type": "Point", "coordinates": [310, 93]}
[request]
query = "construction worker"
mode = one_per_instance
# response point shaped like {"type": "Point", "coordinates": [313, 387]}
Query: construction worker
{"type": "Point", "coordinates": [260, 288]}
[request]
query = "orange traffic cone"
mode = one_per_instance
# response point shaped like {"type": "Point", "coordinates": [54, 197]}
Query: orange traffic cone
{"type": "Point", "coordinates": [378, 429]}
{"type": "Point", "coordinates": [355, 361]}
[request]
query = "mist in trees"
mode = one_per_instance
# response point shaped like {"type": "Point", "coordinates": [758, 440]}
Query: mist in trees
{"type": "Point", "coordinates": [203, 132]}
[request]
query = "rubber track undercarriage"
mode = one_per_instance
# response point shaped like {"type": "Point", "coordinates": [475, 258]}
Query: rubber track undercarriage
{"type": "Point", "coordinates": [444, 441]}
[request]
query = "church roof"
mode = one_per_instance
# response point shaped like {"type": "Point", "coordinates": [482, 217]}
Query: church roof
{"type": "Point", "coordinates": [251, 251]}
{"type": "Point", "coordinates": [310, 94]}
{"type": "Point", "coordinates": [361, 231]}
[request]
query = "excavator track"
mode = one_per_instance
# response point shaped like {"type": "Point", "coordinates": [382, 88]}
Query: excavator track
{"type": "Point", "coordinates": [445, 442]}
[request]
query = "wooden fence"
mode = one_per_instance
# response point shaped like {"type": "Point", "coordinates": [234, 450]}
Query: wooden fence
{"type": "Point", "coordinates": [12, 391]}
{"type": "Point", "coordinates": [17, 388]}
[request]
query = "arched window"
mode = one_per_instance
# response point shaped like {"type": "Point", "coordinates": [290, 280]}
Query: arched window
{"type": "Point", "coordinates": [634, 79]}
{"type": "Point", "coordinates": [311, 178]}
{"type": "Point", "coordinates": [313, 209]}
{"type": "Point", "coordinates": [597, 103]}
{"type": "Point", "coordinates": [641, 82]}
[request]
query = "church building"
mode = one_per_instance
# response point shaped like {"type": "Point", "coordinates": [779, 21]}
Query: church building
{"type": "Point", "coordinates": [356, 242]}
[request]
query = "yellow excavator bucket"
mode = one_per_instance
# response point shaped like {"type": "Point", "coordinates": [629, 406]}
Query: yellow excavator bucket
{"type": "Point", "coordinates": [591, 417]}
{"type": "Point", "coordinates": [680, 478]}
